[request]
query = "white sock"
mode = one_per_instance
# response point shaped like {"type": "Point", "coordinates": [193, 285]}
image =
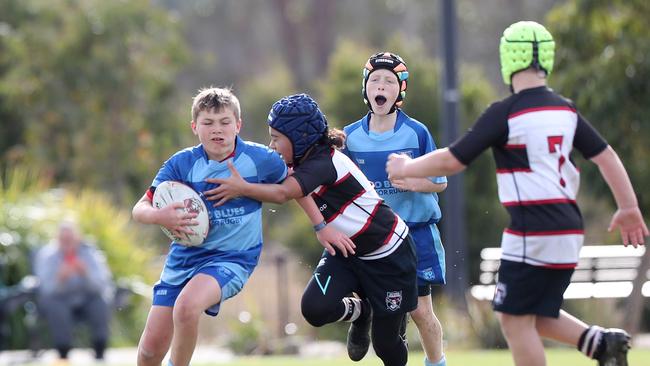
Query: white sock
{"type": "Point", "coordinates": [352, 309]}
{"type": "Point", "coordinates": [441, 362]}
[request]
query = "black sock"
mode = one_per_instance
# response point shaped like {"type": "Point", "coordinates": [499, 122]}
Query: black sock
{"type": "Point", "coordinates": [63, 351]}
{"type": "Point", "coordinates": [99, 347]}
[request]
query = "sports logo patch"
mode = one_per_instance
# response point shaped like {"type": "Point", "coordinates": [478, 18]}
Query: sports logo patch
{"type": "Point", "coordinates": [428, 274]}
{"type": "Point", "coordinates": [393, 300]}
{"type": "Point", "coordinates": [224, 271]}
{"type": "Point", "coordinates": [161, 292]}
{"type": "Point", "coordinates": [321, 262]}
{"type": "Point", "coordinates": [500, 293]}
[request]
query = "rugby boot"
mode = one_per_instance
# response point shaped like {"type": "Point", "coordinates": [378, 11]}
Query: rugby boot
{"type": "Point", "coordinates": [359, 333]}
{"type": "Point", "coordinates": [616, 344]}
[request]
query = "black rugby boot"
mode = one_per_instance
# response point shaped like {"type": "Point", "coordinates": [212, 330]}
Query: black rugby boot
{"type": "Point", "coordinates": [616, 342]}
{"type": "Point", "coordinates": [359, 333]}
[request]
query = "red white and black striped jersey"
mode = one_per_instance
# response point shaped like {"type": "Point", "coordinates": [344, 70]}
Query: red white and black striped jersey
{"type": "Point", "coordinates": [349, 202]}
{"type": "Point", "coordinates": [532, 134]}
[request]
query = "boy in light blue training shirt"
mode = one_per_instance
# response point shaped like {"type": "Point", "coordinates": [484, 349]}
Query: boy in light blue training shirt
{"type": "Point", "coordinates": [384, 130]}
{"type": "Point", "coordinates": [198, 279]}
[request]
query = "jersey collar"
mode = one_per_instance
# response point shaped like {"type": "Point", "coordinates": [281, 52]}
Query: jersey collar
{"type": "Point", "coordinates": [399, 121]}
{"type": "Point", "coordinates": [240, 146]}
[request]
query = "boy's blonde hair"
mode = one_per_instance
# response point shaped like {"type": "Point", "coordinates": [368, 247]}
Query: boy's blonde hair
{"type": "Point", "coordinates": [216, 99]}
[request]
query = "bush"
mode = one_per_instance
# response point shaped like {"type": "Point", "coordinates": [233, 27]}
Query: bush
{"type": "Point", "coordinates": [30, 212]}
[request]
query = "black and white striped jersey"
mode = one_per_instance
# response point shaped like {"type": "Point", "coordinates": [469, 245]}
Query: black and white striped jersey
{"type": "Point", "coordinates": [349, 202]}
{"type": "Point", "coordinates": [532, 134]}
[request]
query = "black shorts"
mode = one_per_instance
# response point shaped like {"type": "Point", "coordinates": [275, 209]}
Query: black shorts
{"type": "Point", "coordinates": [389, 283]}
{"type": "Point", "coordinates": [524, 289]}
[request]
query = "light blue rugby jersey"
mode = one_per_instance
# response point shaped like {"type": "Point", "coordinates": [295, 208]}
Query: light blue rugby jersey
{"type": "Point", "coordinates": [370, 150]}
{"type": "Point", "coordinates": [235, 233]}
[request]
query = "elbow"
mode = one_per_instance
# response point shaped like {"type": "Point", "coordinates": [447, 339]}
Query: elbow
{"type": "Point", "coordinates": [278, 200]}
{"type": "Point", "coordinates": [135, 213]}
{"type": "Point", "coordinates": [278, 196]}
{"type": "Point", "coordinates": [282, 197]}
{"type": "Point", "coordinates": [139, 214]}
{"type": "Point", "coordinates": [288, 193]}
{"type": "Point", "coordinates": [452, 166]}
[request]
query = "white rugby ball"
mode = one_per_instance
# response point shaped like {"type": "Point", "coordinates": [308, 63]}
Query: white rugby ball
{"type": "Point", "coordinates": [172, 191]}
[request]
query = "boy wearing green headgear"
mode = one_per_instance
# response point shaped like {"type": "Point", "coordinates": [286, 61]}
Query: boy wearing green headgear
{"type": "Point", "coordinates": [532, 133]}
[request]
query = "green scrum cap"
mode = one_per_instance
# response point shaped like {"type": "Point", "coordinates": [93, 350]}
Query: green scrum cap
{"type": "Point", "coordinates": [525, 44]}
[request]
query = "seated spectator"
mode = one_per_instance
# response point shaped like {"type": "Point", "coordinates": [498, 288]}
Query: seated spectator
{"type": "Point", "coordinates": [75, 284]}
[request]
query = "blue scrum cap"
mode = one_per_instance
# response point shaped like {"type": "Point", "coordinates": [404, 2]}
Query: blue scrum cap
{"type": "Point", "coordinates": [299, 118]}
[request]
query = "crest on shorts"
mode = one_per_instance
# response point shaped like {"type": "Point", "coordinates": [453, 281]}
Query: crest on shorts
{"type": "Point", "coordinates": [428, 274]}
{"type": "Point", "coordinates": [224, 271]}
{"type": "Point", "coordinates": [500, 293]}
{"type": "Point", "coordinates": [393, 300]}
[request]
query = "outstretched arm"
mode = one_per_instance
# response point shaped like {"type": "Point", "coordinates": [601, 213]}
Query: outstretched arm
{"type": "Point", "coordinates": [436, 163]}
{"type": "Point", "coordinates": [235, 186]}
{"type": "Point", "coordinates": [328, 236]}
{"type": "Point", "coordinates": [628, 217]}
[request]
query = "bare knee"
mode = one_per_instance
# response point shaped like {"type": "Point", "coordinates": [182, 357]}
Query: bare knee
{"type": "Point", "coordinates": [186, 313]}
{"type": "Point", "coordinates": [151, 354]}
{"type": "Point", "coordinates": [423, 316]}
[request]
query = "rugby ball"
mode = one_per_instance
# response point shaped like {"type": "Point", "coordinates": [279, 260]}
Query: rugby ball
{"type": "Point", "coordinates": [172, 191]}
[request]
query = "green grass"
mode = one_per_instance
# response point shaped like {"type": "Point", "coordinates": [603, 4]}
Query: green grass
{"type": "Point", "coordinates": [554, 357]}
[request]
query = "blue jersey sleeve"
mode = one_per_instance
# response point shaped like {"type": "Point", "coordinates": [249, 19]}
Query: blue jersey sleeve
{"type": "Point", "coordinates": [273, 169]}
{"type": "Point", "coordinates": [171, 169]}
{"type": "Point", "coordinates": [345, 149]}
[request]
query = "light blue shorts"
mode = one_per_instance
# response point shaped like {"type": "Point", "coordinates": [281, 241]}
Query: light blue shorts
{"type": "Point", "coordinates": [230, 276]}
{"type": "Point", "coordinates": [431, 257]}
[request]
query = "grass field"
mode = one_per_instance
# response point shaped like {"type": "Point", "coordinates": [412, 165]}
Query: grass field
{"type": "Point", "coordinates": [555, 357]}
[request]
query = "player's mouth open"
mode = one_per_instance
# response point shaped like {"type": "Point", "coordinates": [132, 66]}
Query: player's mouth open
{"type": "Point", "coordinates": [380, 100]}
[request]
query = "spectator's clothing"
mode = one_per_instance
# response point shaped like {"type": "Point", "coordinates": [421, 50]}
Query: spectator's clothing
{"type": "Point", "coordinates": [532, 134]}
{"type": "Point", "coordinates": [234, 240]}
{"type": "Point", "coordinates": [97, 280]}
{"type": "Point", "coordinates": [421, 211]}
{"type": "Point", "coordinates": [80, 298]}
{"type": "Point", "coordinates": [62, 313]}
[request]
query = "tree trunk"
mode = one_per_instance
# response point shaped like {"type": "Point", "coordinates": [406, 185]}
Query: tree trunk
{"type": "Point", "coordinates": [292, 45]}
{"type": "Point", "coordinates": [322, 35]}
{"type": "Point", "coordinates": [634, 303]}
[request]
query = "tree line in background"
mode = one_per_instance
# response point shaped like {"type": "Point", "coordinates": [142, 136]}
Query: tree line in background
{"type": "Point", "coordinates": [95, 94]}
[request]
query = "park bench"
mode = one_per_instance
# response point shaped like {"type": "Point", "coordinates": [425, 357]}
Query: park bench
{"type": "Point", "coordinates": [603, 271]}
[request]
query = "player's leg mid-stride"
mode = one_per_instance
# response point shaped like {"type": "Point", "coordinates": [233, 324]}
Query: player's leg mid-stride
{"type": "Point", "coordinates": [358, 335]}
